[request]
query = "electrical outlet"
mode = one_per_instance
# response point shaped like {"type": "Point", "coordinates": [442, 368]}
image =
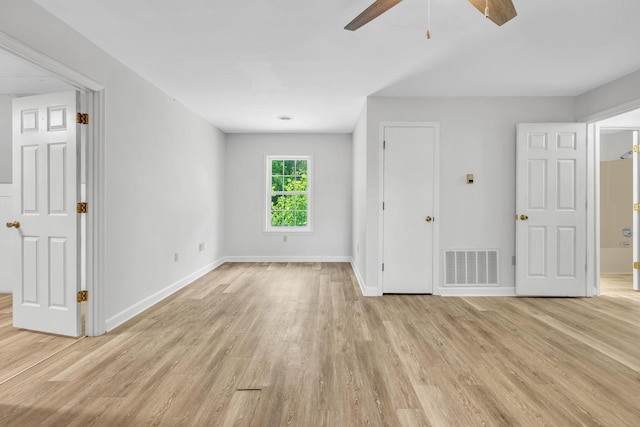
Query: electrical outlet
{"type": "Point", "coordinates": [176, 257]}
{"type": "Point", "coordinates": [201, 247]}
{"type": "Point", "coordinates": [284, 239]}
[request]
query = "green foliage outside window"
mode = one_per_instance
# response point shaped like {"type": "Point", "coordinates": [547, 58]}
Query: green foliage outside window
{"type": "Point", "coordinates": [289, 198]}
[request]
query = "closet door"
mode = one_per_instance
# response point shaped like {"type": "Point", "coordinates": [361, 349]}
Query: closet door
{"type": "Point", "coordinates": [409, 209]}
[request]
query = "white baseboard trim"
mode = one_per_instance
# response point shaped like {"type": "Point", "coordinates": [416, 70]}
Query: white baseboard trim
{"type": "Point", "coordinates": [366, 291]}
{"type": "Point", "coordinates": [477, 291]}
{"type": "Point", "coordinates": [287, 259]}
{"type": "Point", "coordinates": [137, 308]}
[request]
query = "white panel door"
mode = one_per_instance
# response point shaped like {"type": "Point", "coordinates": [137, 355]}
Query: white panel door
{"type": "Point", "coordinates": [551, 211]}
{"type": "Point", "coordinates": [408, 214]}
{"type": "Point", "coordinates": [46, 190]}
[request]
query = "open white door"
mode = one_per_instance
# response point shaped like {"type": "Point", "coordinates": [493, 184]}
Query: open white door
{"type": "Point", "coordinates": [409, 209]}
{"type": "Point", "coordinates": [46, 190]}
{"type": "Point", "coordinates": [551, 211]}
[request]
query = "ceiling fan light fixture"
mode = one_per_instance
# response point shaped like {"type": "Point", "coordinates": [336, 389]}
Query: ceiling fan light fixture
{"type": "Point", "coordinates": [502, 11]}
{"type": "Point", "coordinates": [428, 19]}
{"type": "Point", "coordinates": [498, 11]}
{"type": "Point", "coordinates": [376, 9]}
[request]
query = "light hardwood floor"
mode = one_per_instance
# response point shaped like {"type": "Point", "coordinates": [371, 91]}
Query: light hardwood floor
{"type": "Point", "coordinates": [618, 285]}
{"type": "Point", "coordinates": [296, 345]}
{"type": "Point", "coordinates": [20, 349]}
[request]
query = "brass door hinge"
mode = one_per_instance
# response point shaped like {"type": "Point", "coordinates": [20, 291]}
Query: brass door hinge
{"type": "Point", "coordinates": [636, 207]}
{"type": "Point", "coordinates": [636, 265]}
{"type": "Point", "coordinates": [82, 208]}
{"type": "Point", "coordinates": [82, 296]}
{"type": "Point", "coordinates": [636, 148]}
{"type": "Point", "coordinates": [82, 118]}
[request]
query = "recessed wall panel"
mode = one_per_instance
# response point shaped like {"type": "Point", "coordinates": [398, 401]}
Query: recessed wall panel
{"type": "Point", "coordinates": [57, 118]}
{"type": "Point", "coordinates": [566, 183]}
{"type": "Point", "coordinates": [537, 141]}
{"type": "Point", "coordinates": [57, 272]}
{"type": "Point", "coordinates": [30, 270]}
{"type": "Point", "coordinates": [537, 266]}
{"type": "Point", "coordinates": [57, 159]}
{"type": "Point", "coordinates": [29, 120]}
{"type": "Point", "coordinates": [537, 182]}
{"type": "Point", "coordinates": [566, 141]}
{"type": "Point", "coordinates": [29, 158]}
{"type": "Point", "coordinates": [566, 262]}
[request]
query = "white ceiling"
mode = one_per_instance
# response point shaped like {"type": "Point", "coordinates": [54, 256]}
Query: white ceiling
{"type": "Point", "coordinates": [242, 63]}
{"type": "Point", "coordinates": [19, 78]}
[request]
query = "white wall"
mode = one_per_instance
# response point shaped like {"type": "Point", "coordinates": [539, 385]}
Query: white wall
{"type": "Point", "coordinates": [245, 197]}
{"type": "Point", "coordinates": [477, 136]}
{"type": "Point", "coordinates": [164, 171]}
{"type": "Point", "coordinates": [5, 139]}
{"type": "Point", "coordinates": [7, 236]}
{"type": "Point", "coordinates": [8, 241]}
{"type": "Point", "coordinates": [359, 203]}
{"type": "Point", "coordinates": [164, 196]}
{"type": "Point", "coordinates": [613, 145]}
{"type": "Point", "coordinates": [624, 91]}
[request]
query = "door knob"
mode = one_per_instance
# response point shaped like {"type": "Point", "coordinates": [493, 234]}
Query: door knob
{"type": "Point", "coordinates": [524, 217]}
{"type": "Point", "coordinates": [15, 224]}
{"type": "Point", "coordinates": [428, 219]}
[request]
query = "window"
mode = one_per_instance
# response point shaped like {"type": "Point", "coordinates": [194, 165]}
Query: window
{"type": "Point", "coordinates": [288, 193]}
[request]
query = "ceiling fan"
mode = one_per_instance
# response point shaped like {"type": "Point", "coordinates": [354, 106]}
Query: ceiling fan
{"type": "Point", "coordinates": [499, 11]}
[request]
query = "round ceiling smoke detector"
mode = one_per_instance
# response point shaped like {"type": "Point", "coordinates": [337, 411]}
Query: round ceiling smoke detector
{"type": "Point", "coordinates": [285, 118]}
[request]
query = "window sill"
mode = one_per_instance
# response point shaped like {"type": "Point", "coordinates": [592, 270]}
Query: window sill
{"type": "Point", "coordinates": [280, 232]}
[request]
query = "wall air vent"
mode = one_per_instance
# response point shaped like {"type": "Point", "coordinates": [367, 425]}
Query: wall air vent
{"type": "Point", "coordinates": [471, 267]}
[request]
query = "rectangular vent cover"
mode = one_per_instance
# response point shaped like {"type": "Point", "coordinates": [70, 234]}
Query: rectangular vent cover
{"type": "Point", "coordinates": [471, 267]}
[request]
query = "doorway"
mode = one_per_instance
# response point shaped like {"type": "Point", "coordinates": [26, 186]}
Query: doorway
{"type": "Point", "coordinates": [26, 62]}
{"type": "Point", "coordinates": [618, 197]}
{"type": "Point", "coordinates": [618, 243]}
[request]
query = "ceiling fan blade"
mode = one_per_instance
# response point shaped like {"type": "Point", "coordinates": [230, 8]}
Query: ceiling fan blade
{"type": "Point", "coordinates": [376, 9]}
{"type": "Point", "coordinates": [500, 11]}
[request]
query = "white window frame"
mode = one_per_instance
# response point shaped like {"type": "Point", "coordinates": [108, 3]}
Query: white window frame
{"type": "Point", "coordinates": [268, 228]}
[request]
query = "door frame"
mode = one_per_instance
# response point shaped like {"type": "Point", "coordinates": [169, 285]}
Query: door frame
{"type": "Point", "coordinates": [95, 168]}
{"type": "Point", "coordinates": [436, 200]}
{"type": "Point", "coordinates": [597, 128]}
{"type": "Point", "coordinates": [593, 188]}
